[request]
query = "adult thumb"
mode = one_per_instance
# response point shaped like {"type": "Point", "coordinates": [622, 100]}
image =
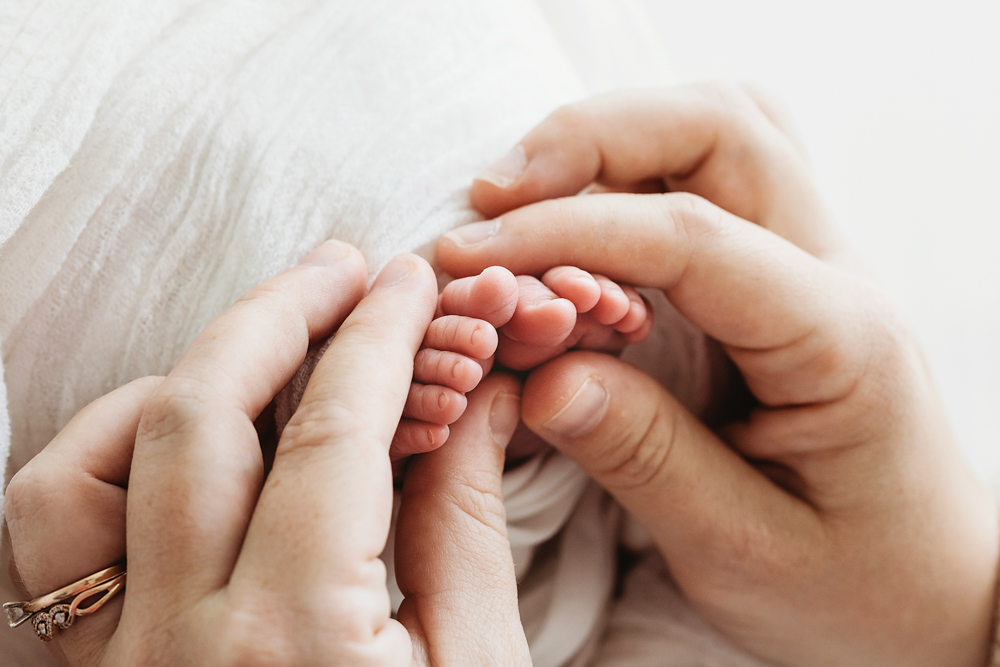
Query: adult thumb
{"type": "Point", "coordinates": [452, 556]}
{"type": "Point", "coordinates": [704, 505]}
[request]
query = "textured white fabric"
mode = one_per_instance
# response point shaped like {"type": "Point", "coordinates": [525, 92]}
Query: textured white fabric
{"type": "Point", "coordinates": [160, 157]}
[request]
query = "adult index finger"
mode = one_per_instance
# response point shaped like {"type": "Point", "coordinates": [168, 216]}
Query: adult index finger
{"type": "Point", "coordinates": [323, 515]}
{"type": "Point", "coordinates": [197, 464]}
{"type": "Point", "coordinates": [714, 140]}
{"type": "Point", "coordinates": [782, 314]}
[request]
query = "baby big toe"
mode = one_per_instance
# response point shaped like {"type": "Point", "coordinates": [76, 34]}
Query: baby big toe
{"type": "Point", "coordinates": [577, 285]}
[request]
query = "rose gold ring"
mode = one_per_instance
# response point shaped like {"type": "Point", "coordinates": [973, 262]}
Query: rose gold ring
{"type": "Point", "coordinates": [51, 611]}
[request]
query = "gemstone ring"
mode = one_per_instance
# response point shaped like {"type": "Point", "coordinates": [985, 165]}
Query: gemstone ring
{"type": "Point", "coordinates": [58, 609]}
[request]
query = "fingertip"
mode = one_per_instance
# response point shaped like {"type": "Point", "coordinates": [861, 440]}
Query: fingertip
{"type": "Point", "coordinates": [505, 415]}
{"type": "Point", "coordinates": [506, 171]}
{"type": "Point", "coordinates": [566, 398]}
{"type": "Point", "coordinates": [494, 409]}
{"type": "Point", "coordinates": [330, 253]}
{"type": "Point", "coordinates": [401, 267]}
{"type": "Point", "coordinates": [407, 283]}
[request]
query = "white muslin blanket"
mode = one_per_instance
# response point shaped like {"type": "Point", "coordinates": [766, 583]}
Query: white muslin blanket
{"type": "Point", "coordinates": [160, 157]}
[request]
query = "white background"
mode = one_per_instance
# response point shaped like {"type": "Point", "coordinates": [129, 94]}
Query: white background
{"type": "Point", "coordinates": [899, 105]}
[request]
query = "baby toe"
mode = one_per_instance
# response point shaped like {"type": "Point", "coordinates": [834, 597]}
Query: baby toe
{"type": "Point", "coordinates": [574, 284]}
{"type": "Point", "coordinates": [542, 318]}
{"type": "Point", "coordinates": [613, 305]}
{"type": "Point", "coordinates": [490, 296]}
{"type": "Point", "coordinates": [434, 403]}
{"type": "Point", "coordinates": [637, 313]}
{"type": "Point", "coordinates": [449, 369]}
{"type": "Point", "coordinates": [469, 336]}
{"type": "Point", "coordinates": [416, 437]}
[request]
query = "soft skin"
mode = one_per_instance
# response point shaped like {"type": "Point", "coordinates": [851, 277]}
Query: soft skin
{"type": "Point", "coordinates": [837, 524]}
{"type": "Point", "coordinates": [229, 567]}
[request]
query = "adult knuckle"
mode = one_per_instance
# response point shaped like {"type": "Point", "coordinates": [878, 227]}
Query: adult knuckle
{"type": "Point", "coordinates": [641, 454]}
{"type": "Point", "coordinates": [474, 498]}
{"type": "Point", "coordinates": [744, 554]}
{"type": "Point", "coordinates": [265, 295]}
{"type": "Point", "coordinates": [318, 423]}
{"type": "Point", "coordinates": [266, 631]}
{"type": "Point", "coordinates": [286, 325]}
{"type": "Point", "coordinates": [259, 640]}
{"type": "Point", "coordinates": [727, 96]}
{"type": "Point", "coordinates": [28, 493]}
{"type": "Point", "coordinates": [734, 110]}
{"type": "Point", "coordinates": [573, 119]}
{"type": "Point", "coordinates": [888, 370]}
{"type": "Point", "coordinates": [693, 215]}
{"type": "Point", "coordinates": [689, 223]}
{"type": "Point", "coordinates": [272, 629]}
{"type": "Point", "coordinates": [176, 406]}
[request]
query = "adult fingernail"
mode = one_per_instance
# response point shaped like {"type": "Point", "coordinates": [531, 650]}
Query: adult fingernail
{"type": "Point", "coordinates": [474, 233]}
{"type": "Point", "coordinates": [505, 414]}
{"type": "Point", "coordinates": [583, 412]}
{"type": "Point", "coordinates": [507, 169]}
{"type": "Point", "coordinates": [393, 272]}
{"type": "Point", "coordinates": [327, 254]}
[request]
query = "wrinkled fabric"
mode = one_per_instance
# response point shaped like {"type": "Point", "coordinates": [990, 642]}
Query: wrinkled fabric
{"type": "Point", "coordinates": [160, 157]}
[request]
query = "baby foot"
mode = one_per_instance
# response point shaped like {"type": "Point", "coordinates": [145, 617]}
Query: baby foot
{"type": "Point", "coordinates": [457, 352]}
{"type": "Point", "coordinates": [537, 320]}
{"type": "Point", "coordinates": [571, 309]}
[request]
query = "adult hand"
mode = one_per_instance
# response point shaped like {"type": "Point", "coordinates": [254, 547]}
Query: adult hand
{"type": "Point", "coordinates": [837, 525]}
{"type": "Point", "coordinates": [228, 567]}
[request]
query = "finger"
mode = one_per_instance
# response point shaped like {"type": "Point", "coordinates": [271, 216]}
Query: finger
{"type": "Point", "coordinates": [706, 508]}
{"type": "Point", "coordinates": [327, 501]}
{"type": "Point", "coordinates": [433, 403]}
{"type": "Point", "coordinates": [490, 296]}
{"type": "Point", "coordinates": [711, 140]}
{"type": "Point", "coordinates": [541, 318]}
{"type": "Point", "coordinates": [473, 337]}
{"type": "Point", "coordinates": [449, 369]}
{"type": "Point", "coordinates": [198, 464]}
{"type": "Point", "coordinates": [65, 509]}
{"type": "Point", "coordinates": [574, 284]}
{"type": "Point", "coordinates": [453, 559]}
{"type": "Point", "coordinates": [785, 318]}
{"type": "Point", "coordinates": [777, 112]}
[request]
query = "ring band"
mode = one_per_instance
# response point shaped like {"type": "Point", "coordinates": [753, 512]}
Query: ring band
{"type": "Point", "coordinates": [49, 612]}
